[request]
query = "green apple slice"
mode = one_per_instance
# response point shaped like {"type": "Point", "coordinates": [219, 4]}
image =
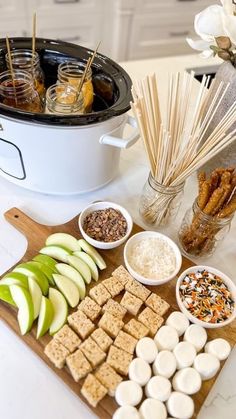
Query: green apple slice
{"type": "Point", "coordinates": [57, 252]}
{"type": "Point", "coordinates": [46, 260]}
{"type": "Point", "coordinates": [47, 271]}
{"type": "Point", "coordinates": [100, 262]}
{"type": "Point", "coordinates": [15, 278]}
{"type": "Point", "coordinates": [68, 289]}
{"type": "Point", "coordinates": [60, 309]}
{"type": "Point", "coordinates": [23, 300]}
{"type": "Point", "coordinates": [65, 240]}
{"type": "Point", "coordinates": [33, 271]}
{"type": "Point", "coordinates": [5, 294]}
{"type": "Point", "coordinates": [81, 267]}
{"type": "Point", "coordinates": [36, 295]}
{"type": "Point", "coordinates": [45, 317]}
{"type": "Point", "coordinates": [89, 261]}
{"type": "Point", "coordinates": [74, 275]}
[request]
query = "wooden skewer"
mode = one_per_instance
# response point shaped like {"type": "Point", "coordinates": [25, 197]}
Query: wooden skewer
{"type": "Point", "coordinates": [11, 67]}
{"type": "Point", "coordinates": [84, 76]}
{"type": "Point", "coordinates": [94, 53]}
{"type": "Point", "coordinates": [87, 68]}
{"type": "Point", "coordinates": [33, 36]}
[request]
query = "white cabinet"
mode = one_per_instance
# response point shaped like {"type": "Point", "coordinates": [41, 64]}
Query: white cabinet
{"type": "Point", "coordinates": [77, 21]}
{"type": "Point", "coordinates": [11, 9]}
{"type": "Point", "coordinates": [152, 36]}
{"type": "Point", "coordinates": [13, 28]}
{"type": "Point", "coordinates": [63, 6]}
{"type": "Point", "coordinates": [155, 27]}
{"type": "Point", "coordinates": [87, 33]}
{"type": "Point", "coordinates": [127, 29]}
{"type": "Point", "coordinates": [12, 18]}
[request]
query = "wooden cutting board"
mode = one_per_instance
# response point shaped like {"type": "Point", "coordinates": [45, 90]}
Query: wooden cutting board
{"type": "Point", "coordinates": [36, 235]}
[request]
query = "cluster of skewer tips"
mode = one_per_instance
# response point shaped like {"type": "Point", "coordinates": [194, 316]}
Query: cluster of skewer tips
{"type": "Point", "coordinates": [179, 139]}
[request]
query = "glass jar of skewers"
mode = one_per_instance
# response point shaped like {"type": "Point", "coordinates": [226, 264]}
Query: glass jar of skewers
{"type": "Point", "coordinates": [159, 204]}
{"type": "Point", "coordinates": [24, 59]}
{"type": "Point", "coordinates": [19, 92]}
{"type": "Point", "coordinates": [62, 99]}
{"type": "Point", "coordinates": [200, 234]}
{"type": "Point", "coordinates": [71, 72]}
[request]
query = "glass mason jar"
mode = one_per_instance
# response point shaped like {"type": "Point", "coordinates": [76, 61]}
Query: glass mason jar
{"type": "Point", "coordinates": [61, 99]}
{"type": "Point", "coordinates": [19, 93]}
{"type": "Point", "coordinates": [159, 204]}
{"type": "Point", "coordinates": [200, 233]}
{"type": "Point", "coordinates": [71, 72]}
{"type": "Point", "coordinates": [24, 59]}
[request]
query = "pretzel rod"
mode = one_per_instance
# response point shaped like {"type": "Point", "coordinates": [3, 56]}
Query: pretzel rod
{"type": "Point", "coordinates": [229, 209]}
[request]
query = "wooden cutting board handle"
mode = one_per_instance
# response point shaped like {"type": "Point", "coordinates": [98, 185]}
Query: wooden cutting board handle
{"type": "Point", "coordinates": [32, 230]}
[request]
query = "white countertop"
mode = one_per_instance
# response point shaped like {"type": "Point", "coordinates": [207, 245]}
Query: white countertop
{"type": "Point", "coordinates": [28, 388]}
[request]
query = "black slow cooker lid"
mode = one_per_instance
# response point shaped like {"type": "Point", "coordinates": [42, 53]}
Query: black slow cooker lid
{"type": "Point", "coordinates": [112, 85]}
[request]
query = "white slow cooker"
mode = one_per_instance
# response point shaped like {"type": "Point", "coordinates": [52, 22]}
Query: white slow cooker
{"type": "Point", "coordinates": [67, 154]}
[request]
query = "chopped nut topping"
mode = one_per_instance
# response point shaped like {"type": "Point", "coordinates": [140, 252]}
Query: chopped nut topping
{"type": "Point", "coordinates": [106, 225]}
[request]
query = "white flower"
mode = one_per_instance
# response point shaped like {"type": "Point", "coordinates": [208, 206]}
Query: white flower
{"type": "Point", "coordinates": [209, 23]}
{"type": "Point", "coordinates": [201, 45]}
{"type": "Point", "coordinates": [212, 22]}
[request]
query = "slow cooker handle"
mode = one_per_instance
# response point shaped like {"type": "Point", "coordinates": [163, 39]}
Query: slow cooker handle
{"type": "Point", "coordinates": [110, 139]}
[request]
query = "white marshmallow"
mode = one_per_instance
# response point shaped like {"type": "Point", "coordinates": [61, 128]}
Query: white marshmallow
{"type": "Point", "coordinates": [207, 365]}
{"type": "Point", "coordinates": [219, 348]}
{"type": "Point", "coordinates": [166, 338]}
{"type": "Point", "coordinates": [196, 335]}
{"type": "Point", "coordinates": [140, 371]}
{"type": "Point", "coordinates": [128, 393]}
{"type": "Point", "coordinates": [159, 388]}
{"type": "Point", "coordinates": [184, 353]}
{"type": "Point", "coordinates": [152, 409]}
{"type": "Point", "coordinates": [187, 380]}
{"type": "Point", "coordinates": [125, 412]}
{"type": "Point", "coordinates": [178, 321]}
{"type": "Point", "coordinates": [180, 405]}
{"type": "Point", "coordinates": [164, 364]}
{"type": "Point", "coordinates": [146, 349]}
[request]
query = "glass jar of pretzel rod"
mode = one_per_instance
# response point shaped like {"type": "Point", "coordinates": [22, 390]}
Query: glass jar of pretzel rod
{"type": "Point", "coordinates": [159, 204]}
{"type": "Point", "coordinates": [200, 234]}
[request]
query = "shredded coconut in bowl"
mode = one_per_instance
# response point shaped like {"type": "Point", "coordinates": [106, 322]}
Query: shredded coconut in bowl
{"type": "Point", "coordinates": [152, 257]}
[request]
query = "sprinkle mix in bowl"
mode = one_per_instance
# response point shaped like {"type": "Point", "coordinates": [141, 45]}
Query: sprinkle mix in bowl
{"type": "Point", "coordinates": [207, 296]}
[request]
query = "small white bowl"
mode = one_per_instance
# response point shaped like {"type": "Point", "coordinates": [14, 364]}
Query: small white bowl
{"type": "Point", "coordinates": [149, 281]}
{"type": "Point", "coordinates": [101, 206]}
{"type": "Point", "coordinates": [230, 284]}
